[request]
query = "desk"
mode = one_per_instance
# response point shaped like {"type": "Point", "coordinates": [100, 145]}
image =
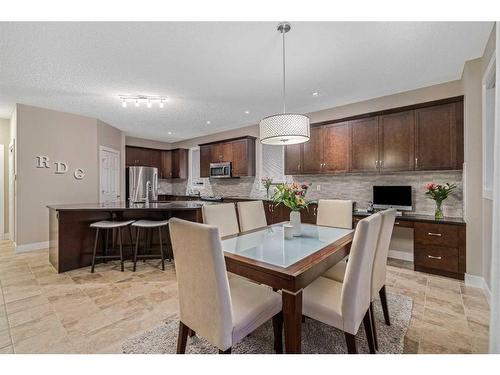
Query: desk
{"type": "Point", "coordinates": [265, 256]}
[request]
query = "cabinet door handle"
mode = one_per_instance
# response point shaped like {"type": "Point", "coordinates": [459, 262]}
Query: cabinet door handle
{"type": "Point", "coordinates": [396, 223]}
{"type": "Point", "coordinates": [433, 257]}
{"type": "Point", "coordinates": [416, 162]}
{"type": "Point", "coordinates": [314, 211]}
{"type": "Point", "coordinates": [376, 163]}
{"type": "Point", "coordinates": [381, 163]}
{"type": "Point", "coordinates": [434, 234]}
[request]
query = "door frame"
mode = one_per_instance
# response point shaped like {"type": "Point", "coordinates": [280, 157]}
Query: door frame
{"type": "Point", "coordinates": [118, 153]}
{"type": "Point", "coordinates": [2, 190]}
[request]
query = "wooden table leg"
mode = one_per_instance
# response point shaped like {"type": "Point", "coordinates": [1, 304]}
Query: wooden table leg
{"type": "Point", "coordinates": [292, 316]}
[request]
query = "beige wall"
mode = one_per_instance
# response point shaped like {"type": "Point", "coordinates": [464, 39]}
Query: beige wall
{"type": "Point", "coordinates": [63, 137]}
{"type": "Point", "coordinates": [487, 204]}
{"type": "Point", "coordinates": [5, 141]}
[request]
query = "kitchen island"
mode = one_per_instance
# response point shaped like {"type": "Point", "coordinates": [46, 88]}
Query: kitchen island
{"type": "Point", "coordinates": [71, 240]}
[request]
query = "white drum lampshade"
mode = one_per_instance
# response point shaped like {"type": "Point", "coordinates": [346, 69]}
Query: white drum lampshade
{"type": "Point", "coordinates": [284, 129]}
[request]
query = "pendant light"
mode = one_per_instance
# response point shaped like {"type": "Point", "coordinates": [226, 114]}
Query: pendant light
{"type": "Point", "coordinates": [286, 128]}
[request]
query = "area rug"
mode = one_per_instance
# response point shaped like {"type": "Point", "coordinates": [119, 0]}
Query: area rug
{"type": "Point", "coordinates": [316, 337]}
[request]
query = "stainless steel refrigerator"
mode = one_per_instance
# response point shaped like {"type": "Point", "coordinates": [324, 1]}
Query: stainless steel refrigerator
{"type": "Point", "coordinates": [142, 184]}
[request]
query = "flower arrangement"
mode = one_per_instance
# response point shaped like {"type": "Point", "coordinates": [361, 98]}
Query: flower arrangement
{"type": "Point", "coordinates": [292, 195]}
{"type": "Point", "coordinates": [267, 182]}
{"type": "Point", "coordinates": [439, 193]}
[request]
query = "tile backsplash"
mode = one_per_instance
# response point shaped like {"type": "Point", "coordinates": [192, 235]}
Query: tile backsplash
{"type": "Point", "coordinates": [356, 187]}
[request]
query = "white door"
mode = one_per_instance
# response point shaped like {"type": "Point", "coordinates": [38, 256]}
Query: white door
{"type": "Point", "coordinates": [109, 171]}
{"type": "Point", "coordinates": [12, 191]}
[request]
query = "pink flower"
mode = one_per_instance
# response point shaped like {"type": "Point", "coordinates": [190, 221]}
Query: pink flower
{"type": "Point", "coordinates": [430, 186]}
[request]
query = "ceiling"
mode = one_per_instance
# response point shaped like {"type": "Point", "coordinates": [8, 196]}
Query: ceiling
{"type": "Point", "coordinates": [215, 71]}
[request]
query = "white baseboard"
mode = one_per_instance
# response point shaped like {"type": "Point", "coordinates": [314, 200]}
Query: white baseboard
{"type": "Point", "coordinates": [478, 282]}
{"type": "Point", "coordinates": [4, 236]}
{"type": "Point", "coordinates": [32, 246]}
{"type": "Point", "coordinates": [403, 255]}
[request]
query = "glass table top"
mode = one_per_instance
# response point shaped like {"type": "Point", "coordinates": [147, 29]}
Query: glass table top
{"type": "Point", "coordinates": [269, 245]}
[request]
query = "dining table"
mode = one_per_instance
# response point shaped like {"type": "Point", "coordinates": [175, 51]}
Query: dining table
{"type": "Point", "coordinates": [268, 256]}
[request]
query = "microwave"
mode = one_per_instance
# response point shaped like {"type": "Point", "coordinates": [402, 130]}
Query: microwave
{"type": "Point", "coordinates": [220, 170]}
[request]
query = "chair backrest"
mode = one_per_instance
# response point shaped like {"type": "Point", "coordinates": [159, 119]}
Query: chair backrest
{"type": "Point", "coordinates": [356, 288]}
{"type": "Point", "coordinates": [223, 216]}
{"type": "Point", "coordinates": [204, 296]}
{"type": "Point", "coordinates": [251, 215]}
{"type": "Point", "coordinates": [335, 213]}
{"type": "Point", "coordinates": [384, 239]}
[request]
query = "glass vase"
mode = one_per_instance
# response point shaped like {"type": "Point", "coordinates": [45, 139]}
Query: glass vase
{"type": "Point", "coordinates": [438, 214]}
{"type": "Point", "coordinates": [295, 222]}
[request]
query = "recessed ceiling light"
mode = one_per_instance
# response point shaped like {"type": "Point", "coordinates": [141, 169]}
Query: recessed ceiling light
{"type": "Point", "coordinates": [124, 103]}
{"type": "Point", "coordinates": [208, 122]}
{"type": "Point", "coordinates": [315, 93]}
{"type": "Point", "coordinates": [149, 103]}
{"type": "Point", "coordinates": [169, 133]}
{"type": "Point", "coordinates": [162, 103]}
{"type": "Point", "coordinates": [247, 112]}
{"type": "Point", "coordinates": [137, 102]}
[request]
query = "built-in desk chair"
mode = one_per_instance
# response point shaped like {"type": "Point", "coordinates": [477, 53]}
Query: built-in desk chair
{"type": "Point", "coordinates": [221, 310]}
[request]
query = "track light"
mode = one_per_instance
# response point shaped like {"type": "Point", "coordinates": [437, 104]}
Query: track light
{"type": "Point", "coordinates": [124, 103]}
{"type": "Point", "coordinates": [137, 102]}
{"type": "Point", "coordinates": [137, 99]}
{"type": "Point", "coordinates": [149, 103]}
{"type": "Point", "coordinates": [162, 103]}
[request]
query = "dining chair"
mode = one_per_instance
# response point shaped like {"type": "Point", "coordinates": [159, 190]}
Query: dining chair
{"type": "Point", "coordinates": [335, 213]}
{"type": "Point", "coordinates": [251, 215]}
{"type": "Point", "coordinates": [223, 216]}
{"type": "Point", "coordinates": [379, 271]}
{"type": "Point", "coordinates": [223, 311]}
{"type": "Point", "coordinates": [345, 305]}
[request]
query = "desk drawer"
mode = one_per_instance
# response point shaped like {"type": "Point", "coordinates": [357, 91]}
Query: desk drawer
{"type": "Point", "coordinates": [437, 257]}
{"type": "Point", "coordinates": [436, 235]}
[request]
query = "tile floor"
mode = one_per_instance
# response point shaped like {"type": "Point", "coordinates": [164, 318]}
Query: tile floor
{"type": "Point", "coordinates": [78, 312]}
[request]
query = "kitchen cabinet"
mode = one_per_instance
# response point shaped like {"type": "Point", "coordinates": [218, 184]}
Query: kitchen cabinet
{"type": "Point", "coordinates": [180, 163]}
{"type": "Point", "coordinates": [166, 164]}
{"type": "Point", "coordinates": [436, 137]}
{"type": "Point", "coordinates": [139, 156]}
{"type": "Point", "coordinates": [364, 145]}
{"type": "Point", "coordinates": [396, 141]}
{"type": "Point", "coordinates": [293, 159]}
{"type": "Point", "coordinates": [240, 152]}
{"type": "Point", "coordinates": [426, 136]}
{"type": "Point", "coordinates": [312, 162]}
{"type": "Point", "coordinates": [336, 146]}
{"type": "Point", "coordinates": [205, 160]}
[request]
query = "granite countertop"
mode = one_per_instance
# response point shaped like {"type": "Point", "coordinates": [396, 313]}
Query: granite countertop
{"type": "Point", "coordinates": [123, 206]}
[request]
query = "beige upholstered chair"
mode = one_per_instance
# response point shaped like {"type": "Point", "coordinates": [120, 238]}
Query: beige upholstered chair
{"type": "Point", "coordinates": [335, 213]}
{"type": "Point", "coordinates": [223, 216]}
{"type": "Point", "coordinates": [251, 215]}
{"type": "Point", "coordinates": [345, 305]}
{"type": "Point", "coordinates": [220, 310]}
{"type": "Point", "coordinates": [337, 272]}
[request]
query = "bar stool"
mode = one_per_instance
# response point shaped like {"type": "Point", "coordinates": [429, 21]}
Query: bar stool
{"type": "Point", "coordinates": [149, 225]}
{"type": "Point", "coordinates": [106, 226]}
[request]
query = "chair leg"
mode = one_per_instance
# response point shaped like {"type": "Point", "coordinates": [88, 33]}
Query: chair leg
{"type": "Point", "coordinates": [95, 250]}
{"type": "Point", "coordinates": [227, 351]}
{"type": "Point", "coordinates": [161, 251]}
{"type": "Point", "coordinates": [278, 332]}
{"type": "Point", "coordinates": [121, 248]}
{"type": "Point", "coordinates": [367, 322]}
{"type": "Point", "coordinates": [182, 338]}
{"type": "Point", "coordinates": [131, 240]}
{"type": "Point", "coordinates": [106, 244]}
{"type": "Point", "coordinates": [351, 343]}
{"type": "Point", "coordinates": [385, 307]}
{"type": "Point", "coordinates": [137, 235]}
{"type": "Point", "coordinates": [374, 326]}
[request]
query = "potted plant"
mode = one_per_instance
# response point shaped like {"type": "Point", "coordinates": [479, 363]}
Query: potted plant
{"type": "Point", "coordinates": [292, 196]}
{"type": "Point", "coordinates": [439, 193]}
{"type": "Point", "coordinates": [267, 182]}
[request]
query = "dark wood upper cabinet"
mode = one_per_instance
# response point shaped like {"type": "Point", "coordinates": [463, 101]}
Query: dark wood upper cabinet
{"type": "Point", "coordinates": [364, 144]}
{"type": "Point", "coordinates": [293, 159]}
{"type": "Point", "coordinates": [396, 136]}
{"type": "Point", "coordinates": [166, 164]}
{"type": "Point", "coordinates": [313, 152]}
{"type": "Point", "coordinates": [205, 160]}
{"type": "Point", "coordinates": [156, 159]}
{"type": "Point", "coordinates": [180, 166]}
{"type": "Point", "coordinates": [240, 152]}
{"type": "Point", "coordinates": [336, 145]}
{"type": "Point", "coordinates": [436, 138]}
{"type": "Point", "coordinates": [139, 156]}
